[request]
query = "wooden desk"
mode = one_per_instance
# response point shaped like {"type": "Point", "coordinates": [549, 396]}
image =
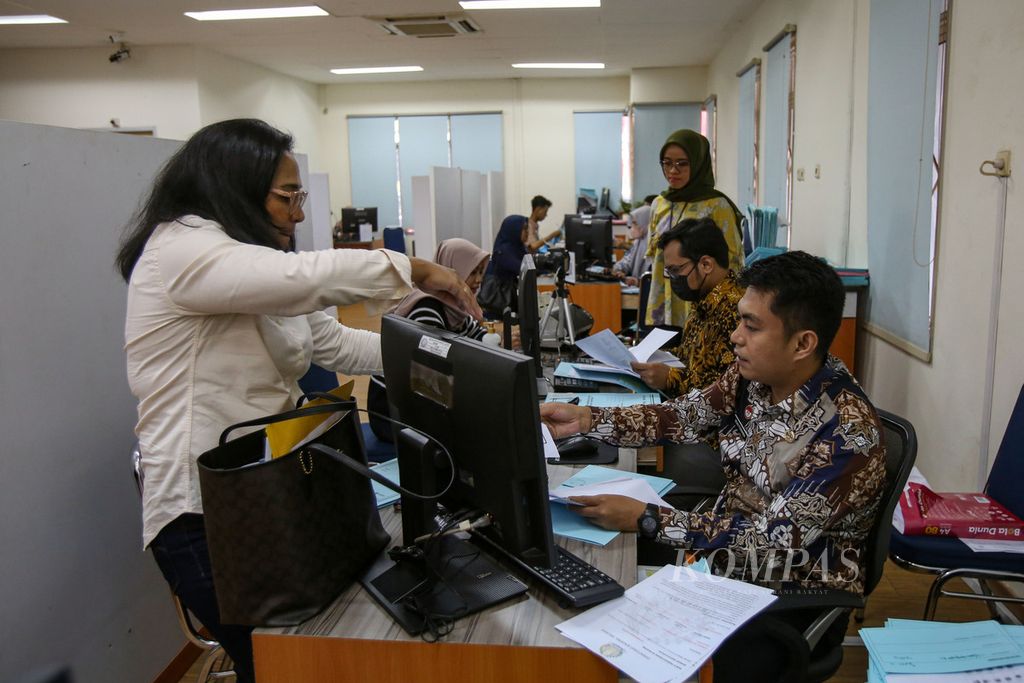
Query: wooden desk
{"type": "Point", "coordinates": [355, 640]}
{"type": "Point", "coordinates": [844, 346]}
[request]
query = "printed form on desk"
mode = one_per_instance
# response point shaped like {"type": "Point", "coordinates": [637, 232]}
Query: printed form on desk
{"type": "Point", "coordinates": [665, 627]}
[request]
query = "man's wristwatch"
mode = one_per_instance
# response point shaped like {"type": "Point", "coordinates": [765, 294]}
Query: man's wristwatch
{"type": "Point", "coordinates": [649, 523]}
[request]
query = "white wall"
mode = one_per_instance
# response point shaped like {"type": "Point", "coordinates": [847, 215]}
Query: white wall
{"type": "Point", "coordinates": [230, 88]}
{"type": "Point", "coordinates": [537, 121]}
{"type": "Point", "coordinates": [823, 124]}
{"type": "Point", "coordinates": [174, 89]}
{"type": "Point", "coordinates": [943, 399]}
{"type": "Point", "coordinates": [668, 84]}
{"type": "Point", "coordinates": [80, 88]}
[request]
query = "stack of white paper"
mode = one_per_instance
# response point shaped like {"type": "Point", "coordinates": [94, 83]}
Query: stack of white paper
{"type": "Point", "coordinates": [665, 627]}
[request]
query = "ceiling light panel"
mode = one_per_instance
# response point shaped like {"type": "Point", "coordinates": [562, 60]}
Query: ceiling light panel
{"type": "Point", "coordinates": [528, 4]}
{"type": "Point", "coordinates": [560, 65]}
{"type": "Point", "coordinates": [375, 70]}
{"type": "Point", "coordinates": [258, 13]}
{"type": "Point", "coordinates": [25, 19]}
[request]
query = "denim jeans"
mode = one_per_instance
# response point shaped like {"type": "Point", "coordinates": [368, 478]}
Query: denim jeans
{"type": "Point", "coordinates": [180, 552]}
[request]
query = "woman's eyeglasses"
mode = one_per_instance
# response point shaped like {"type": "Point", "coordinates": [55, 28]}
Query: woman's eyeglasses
{"type": "Point", "coordinates": [678, 164]}
{"type": "Point", "coordinates": [296, 198]}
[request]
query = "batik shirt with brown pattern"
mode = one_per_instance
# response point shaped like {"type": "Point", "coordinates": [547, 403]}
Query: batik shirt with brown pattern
{"type": "Point", "coordinates": [705, 346]}
{"type": "Point", "coordinates": [804, 477]}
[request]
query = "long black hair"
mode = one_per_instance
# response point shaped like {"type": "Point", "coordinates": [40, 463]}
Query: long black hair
{"type": "Point", "coordinates": [223, 173]}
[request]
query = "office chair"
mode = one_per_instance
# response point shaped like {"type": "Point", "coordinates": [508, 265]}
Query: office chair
{"type": "Point", "coordinates": [948, 558]}
{"type": "Point", "coordinates": [819, 663]}
{"type": "Point", "coordinates": [211, 650]}
{"type": "Point", "coordinates": [641, 311]}
{"type": "Point", "coordinates": [642, 328]}
{"type": "Point", "coordinates": [394, 239]}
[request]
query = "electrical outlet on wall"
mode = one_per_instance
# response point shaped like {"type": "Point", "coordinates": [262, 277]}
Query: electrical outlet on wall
{"type": "Point", "coordinates": [800, 174]}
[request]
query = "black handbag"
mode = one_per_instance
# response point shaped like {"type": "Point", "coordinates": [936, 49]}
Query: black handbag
{"type": "Point", "coordinates": [495, 295]}
{"type": "Point", "coordinates": [288, 535]}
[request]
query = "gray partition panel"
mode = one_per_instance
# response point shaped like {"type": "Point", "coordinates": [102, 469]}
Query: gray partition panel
{"type": "Point", "coordinates": [76, 587]}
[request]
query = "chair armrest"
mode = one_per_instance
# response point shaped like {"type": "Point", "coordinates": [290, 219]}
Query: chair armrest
{"type": "Point", "coordinates": [814, 598]}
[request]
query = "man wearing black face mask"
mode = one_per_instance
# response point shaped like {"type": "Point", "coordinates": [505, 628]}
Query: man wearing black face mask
{"type": "Point", "coordinates": [696, 261]}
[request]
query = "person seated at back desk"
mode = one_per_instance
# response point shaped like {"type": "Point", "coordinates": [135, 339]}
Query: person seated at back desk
{"type": "Point", "coordinates": [634, 262]}
{"type": "Point", "coordinates": [517, 236]}
{"type": "Point", "coordinates": [800, 444]}
{"type": "Point", "coordinates": [697, 266]}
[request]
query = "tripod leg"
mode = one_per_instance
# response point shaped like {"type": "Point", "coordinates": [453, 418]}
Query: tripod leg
{"type": "Point", "coordinates": [570, 328]}
{"type": "Point", "coordinates": [547, 316]}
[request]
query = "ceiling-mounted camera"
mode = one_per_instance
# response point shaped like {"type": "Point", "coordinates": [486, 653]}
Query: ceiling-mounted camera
{"type": "Point", "coordinates": [122, 52]}
{"type": "Point", "coordinates": [119, 55]}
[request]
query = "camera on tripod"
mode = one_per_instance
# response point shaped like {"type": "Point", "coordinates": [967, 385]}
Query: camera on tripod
{"type": "Point", "coordinates": [549, 263]}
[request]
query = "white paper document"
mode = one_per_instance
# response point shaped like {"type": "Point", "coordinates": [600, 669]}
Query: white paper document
{"type": "Point", "coordinates": [650, 344]}
{"type": "Point", "coordinates": [606, 348]}
{"type": "Point", "coordinates": [981, 545]}
{"type": "Point", "coordinates": [664, 628]}
{"type": "Point", "coordinates": [638, 489]}
{"type": "Point", "coordinates": [550, 450]}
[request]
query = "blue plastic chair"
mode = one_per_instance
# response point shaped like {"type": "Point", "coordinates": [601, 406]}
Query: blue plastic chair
{"type": "Point", "coordinates": [949, 558]}
{"type": "Point", "coordinates": [394, 239]}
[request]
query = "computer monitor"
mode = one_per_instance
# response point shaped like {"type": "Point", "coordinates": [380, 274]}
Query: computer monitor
{"type": "Point", "coordinates": [481, 403]}
{"type": "Point", "coordinates": [586, 201]}
{"type": "Point", "coordinates": [529, 313]}
{"type": "Point", "coordinates": [590, 239]}
{"type": "Point", "coordinates": [604, 203]}
{"type": "Point", "coordinates": [352, 217]}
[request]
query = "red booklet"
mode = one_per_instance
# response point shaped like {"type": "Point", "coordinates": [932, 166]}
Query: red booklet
{"type": "Point", "coordinates": [961, 515]}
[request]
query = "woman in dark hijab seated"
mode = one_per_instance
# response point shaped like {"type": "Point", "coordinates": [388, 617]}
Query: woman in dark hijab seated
{"type": "Point", "coordinates": [517, 236]}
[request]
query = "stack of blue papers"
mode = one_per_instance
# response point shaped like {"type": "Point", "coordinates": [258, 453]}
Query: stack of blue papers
{"type": "Point", "coordinates": [566, 523]}
{"type": "Point", "coordinates": [386, 496]}
{"type": "Point", "coordinates": [579, 370]}
{"type": "Point", "coordinates": [596, 399]}
{"type": "Point", "coordinates": [942, 652]}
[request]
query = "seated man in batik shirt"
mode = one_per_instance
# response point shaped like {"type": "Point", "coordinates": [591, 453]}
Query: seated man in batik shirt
{"type": "Point", "coordinates": [800, 443]}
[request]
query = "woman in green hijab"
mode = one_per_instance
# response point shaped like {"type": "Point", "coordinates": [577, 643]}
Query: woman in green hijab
{"type": "Point", "coordinates": [686, 164]}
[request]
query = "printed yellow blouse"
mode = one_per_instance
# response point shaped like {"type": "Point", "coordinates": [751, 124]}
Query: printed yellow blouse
{"type": "Point", "coordinates": [663, 308]}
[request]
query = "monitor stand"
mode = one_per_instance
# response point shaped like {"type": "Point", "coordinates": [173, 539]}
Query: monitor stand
{"type": "Point", "coordinates": [470, 581]}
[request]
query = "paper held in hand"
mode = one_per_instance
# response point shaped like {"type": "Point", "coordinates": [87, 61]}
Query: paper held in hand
{"type": "Point", "coordinates": [606, 348]}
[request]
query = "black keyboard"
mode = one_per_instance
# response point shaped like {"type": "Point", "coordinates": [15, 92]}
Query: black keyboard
{"type": "Point", "coordinates": [573, 384]}
{"type": "Point", "coordinates": [575, 582]}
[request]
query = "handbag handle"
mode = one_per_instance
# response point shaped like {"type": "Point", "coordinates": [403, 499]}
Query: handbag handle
{"type": "Point", "coordinates": [334, 407]}
{"type": "Point", "coordinates": [362, 469]}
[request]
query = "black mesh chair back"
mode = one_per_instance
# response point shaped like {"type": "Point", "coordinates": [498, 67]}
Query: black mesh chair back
{"type": "Point", "coordinates": [900, 441]}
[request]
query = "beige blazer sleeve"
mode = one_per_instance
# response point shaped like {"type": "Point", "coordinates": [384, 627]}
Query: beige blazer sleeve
{"type": "Point", "coordinates": [344, 349]}
{"type": "Point", "coordinates": [206, 272]}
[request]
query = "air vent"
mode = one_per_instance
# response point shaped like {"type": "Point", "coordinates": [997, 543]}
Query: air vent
{"type": "Point", "coordinates": [435, 26]}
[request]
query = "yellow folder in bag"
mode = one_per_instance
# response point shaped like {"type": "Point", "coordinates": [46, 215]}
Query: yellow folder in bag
{"type": "Point", "coordinates": [285, 437]}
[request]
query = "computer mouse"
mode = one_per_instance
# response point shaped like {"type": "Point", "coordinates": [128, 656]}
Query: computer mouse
{"type": "Point", "coordinates": [577, 446]}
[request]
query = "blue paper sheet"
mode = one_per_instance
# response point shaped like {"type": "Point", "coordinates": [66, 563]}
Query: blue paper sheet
{"type": "Point", "coordinates": [386, 496]}
{"type": "Point", "coordinates": [565, 369]}
{"type": "Point", "coordinates": [935, 650]}
{"type": "Point", "coordinates": [565, 522]}
{"type": "Point", "coordinates": [598, 399]}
